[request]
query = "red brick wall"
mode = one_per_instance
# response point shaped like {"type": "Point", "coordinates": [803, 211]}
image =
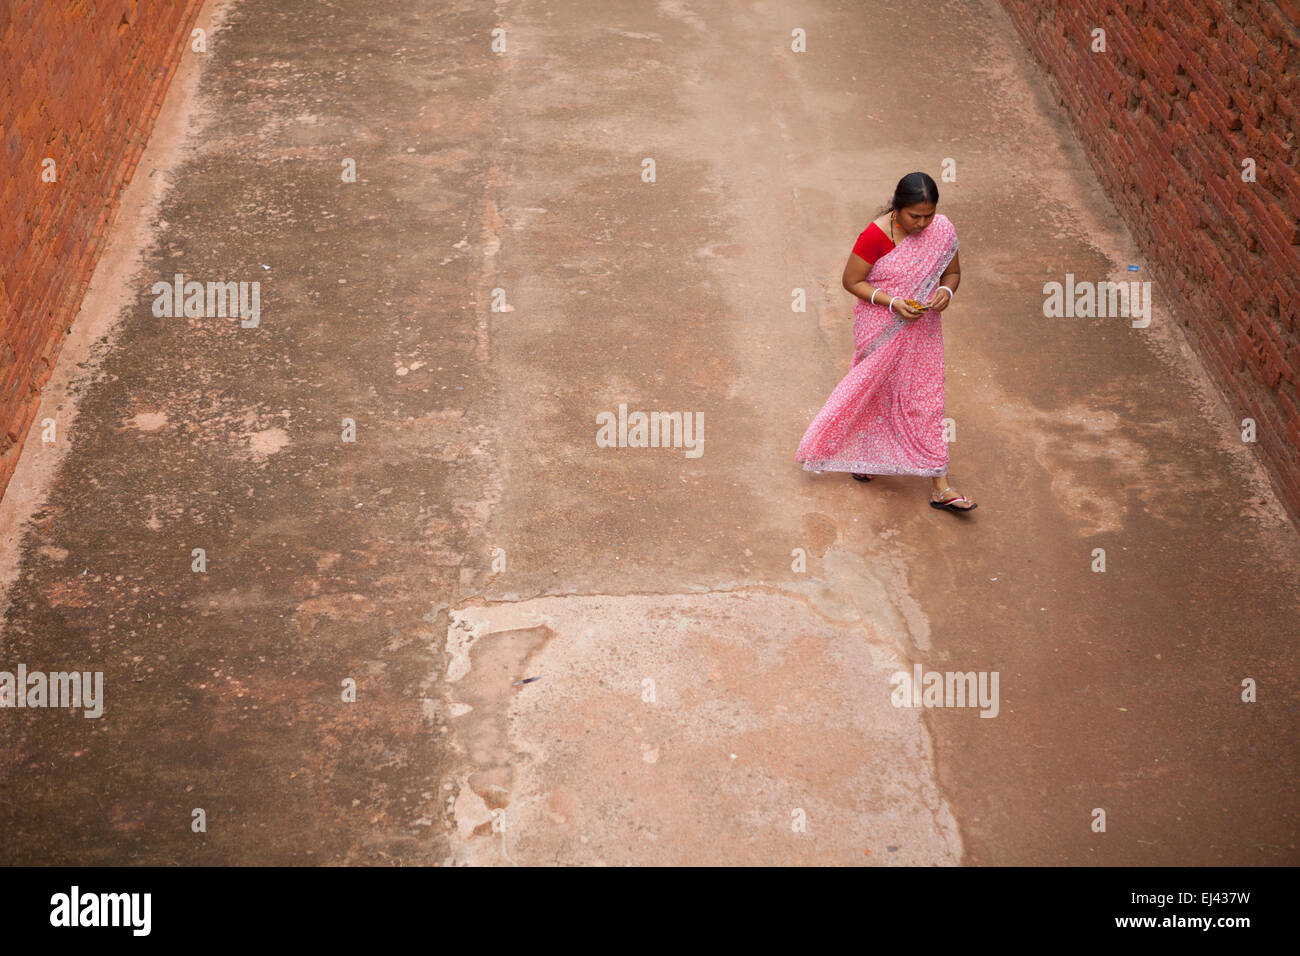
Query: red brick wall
{"type": "Point", "coordinates": [1186, 90]}
{"type": "Point", "coordinates": [81, 82]}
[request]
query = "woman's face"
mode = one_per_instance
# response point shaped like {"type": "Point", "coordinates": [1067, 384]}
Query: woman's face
{"type": "Point", "coordinates": [915, 218]}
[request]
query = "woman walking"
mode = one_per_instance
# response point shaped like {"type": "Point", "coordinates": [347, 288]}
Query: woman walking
{"type": "Point", "coordinates": [886, 416]}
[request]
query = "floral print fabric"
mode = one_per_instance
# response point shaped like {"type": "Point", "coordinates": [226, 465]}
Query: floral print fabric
{"type": "Point", "coordinates": [886, 416]}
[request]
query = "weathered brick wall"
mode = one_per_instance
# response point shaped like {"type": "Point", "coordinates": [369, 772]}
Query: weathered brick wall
{"type": "Point", "coordinates": [1185, 91]}
{"type": "Point", "coordinates": [81, 82]}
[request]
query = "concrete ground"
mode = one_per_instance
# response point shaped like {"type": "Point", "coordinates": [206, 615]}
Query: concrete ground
{"type": "Point", "coordinates": [708, 642]}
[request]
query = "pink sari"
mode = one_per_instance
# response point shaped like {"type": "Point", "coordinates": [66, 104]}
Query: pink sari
{"type": "Point", "coordinates": [886, 416]}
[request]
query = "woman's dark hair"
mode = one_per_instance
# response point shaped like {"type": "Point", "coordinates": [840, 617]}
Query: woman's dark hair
{"type": "Point", "coordinates": [912, 189]}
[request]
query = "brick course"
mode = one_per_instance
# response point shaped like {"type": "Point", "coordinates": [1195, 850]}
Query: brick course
{"type": "Point", "coordinates": [81, 82]}
{"type": "Point", "coordinates": [1185, 91]}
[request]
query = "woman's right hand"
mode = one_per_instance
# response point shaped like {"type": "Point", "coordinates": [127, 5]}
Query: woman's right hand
{"type": "Point", "coordinates": [905, 311]}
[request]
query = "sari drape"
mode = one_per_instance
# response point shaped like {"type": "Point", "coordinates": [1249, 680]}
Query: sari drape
{"type": "Point", "coordinates": [886, 416]}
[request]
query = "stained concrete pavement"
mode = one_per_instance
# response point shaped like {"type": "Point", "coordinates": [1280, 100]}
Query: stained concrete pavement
{"type": "Point", "coordinates": [712, 639]}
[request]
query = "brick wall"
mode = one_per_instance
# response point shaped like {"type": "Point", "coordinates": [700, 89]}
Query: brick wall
{"type": "Point", "coordinates": [81, 82]}
{"type": "Point", "coordinates": [1185, 91]}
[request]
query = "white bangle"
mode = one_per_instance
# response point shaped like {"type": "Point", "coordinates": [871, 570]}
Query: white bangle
{"type": "Point", "coordinates": [873, 296]}
{"type": "Point", "coordinates": [891, 304]}
{"type": "Point", "coordinates": [949, 291]}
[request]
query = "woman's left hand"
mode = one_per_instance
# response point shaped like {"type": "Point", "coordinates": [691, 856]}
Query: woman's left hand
{"type": "Point", "coordinates": [939, 301]}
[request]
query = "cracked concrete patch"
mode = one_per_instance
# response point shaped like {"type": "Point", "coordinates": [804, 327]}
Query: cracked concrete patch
{"type": "Point", "coordinates": [686, 729]}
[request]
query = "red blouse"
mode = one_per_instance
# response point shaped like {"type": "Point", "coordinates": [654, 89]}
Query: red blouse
{"type": "Point", "coordinates": [872, 244]}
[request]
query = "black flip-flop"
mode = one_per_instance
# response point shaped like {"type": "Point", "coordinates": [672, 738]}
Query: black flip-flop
{"type": "Point", "coordinates": [949, 506]}
{"type": "Point", "coordinates": [860, 477]}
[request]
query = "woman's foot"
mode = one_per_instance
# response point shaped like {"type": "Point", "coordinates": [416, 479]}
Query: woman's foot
{"type": "Point", "coordinates": [861, 477]}
{"type": "Point", "coordinates": [950, 499]}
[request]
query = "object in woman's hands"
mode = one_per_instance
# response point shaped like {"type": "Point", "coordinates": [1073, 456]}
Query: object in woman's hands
{"type": "Point", "coordinates": [917, 306]}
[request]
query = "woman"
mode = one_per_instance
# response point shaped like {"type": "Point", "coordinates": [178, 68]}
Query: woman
{"type": "Point", "coordinates": [886, 416]}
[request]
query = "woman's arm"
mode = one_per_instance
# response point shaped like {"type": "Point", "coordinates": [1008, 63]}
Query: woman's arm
{"type": "Point", "coordinates": [952, 275]}
{"type": "Point", "coordinates": [855, 282]}
{"type": "Point", "coordinates": [855, 277]}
